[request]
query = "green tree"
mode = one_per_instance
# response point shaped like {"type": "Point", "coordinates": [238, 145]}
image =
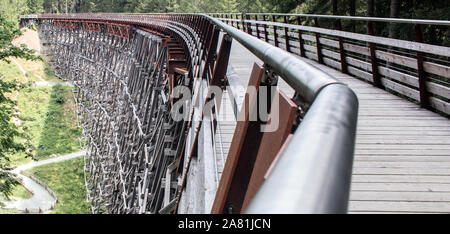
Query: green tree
{"type": "Point", "coordinates": [9, 131]}
{"type": "Point", "coordinates": [35, 6]}
{"type": "Point", "coordinates": [11, 9]}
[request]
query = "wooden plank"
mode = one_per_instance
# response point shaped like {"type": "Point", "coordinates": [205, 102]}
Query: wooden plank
{"type": "Point", "coordinates": [357, 49]}
{"type": "Point", "coordinates": [294, 43]}
{"type": "Point", "coordinates": [401, 158]}
{"type": "Point", "coordinates": [310, 48]}
{"type": "Point", "coordinates": [329, 42]}
{"type": "Point", "coordinates": [382, 178]}
{"type": "Point", "coordinates": [359, 73]}
{"type": "Point", "coordinates": [241, 157]}
{"type": "Point", "coordinates": [409, 92]}
{"type": "Point", "coordinates": [331, 54]}
{"type": "Point", "coordinates": [308, 37]}
{"type": "Point", "coordinates": [418, 141]}
{"type": "Point", "coordinates": [359, 64]}
{"type": "Point", "coordinates": [401, 128]}
{"type": "Point", "coordinates": [387, 206]}
{"type": "Point", "coordinates": [392, 113]}
{"type": "Point", "coordinates": [437, 69]}
{"type": "Point", "coordinates": [271, 143]}
{"type": "Point", "coordinates": [377, 164]}
{"type": "Point", "coordinates": [400, 187]}
{"type": "Point", "coordinates": [331, 63]}
{"type": "Point", "coordinates": [402, 147]}
{"type": "Point", "coordinates": [311, 55]}
{"type": "Point", "coordinates": [438, 89]}
{"type": "Point", "coordinates": [399, 76]}
{"type": "Point", "coordinates": [402, 171]}
{"type": "Point", "coordinates": [295, 50]}
{"type": "Point", "coordinates": [440, 105]}
{"type": "Point", "coordinates": [397, 59]}
{"type": "Point", "coordinates": [434, 197]}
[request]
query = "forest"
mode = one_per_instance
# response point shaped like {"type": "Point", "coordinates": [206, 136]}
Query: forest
{"type": "Point", "coordinates": [420, 9]}
{"type": "Point", "coordinates": [411, 9]}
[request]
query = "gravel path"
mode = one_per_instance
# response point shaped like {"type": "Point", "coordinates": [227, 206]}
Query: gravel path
{"type": "Point", "coordinates": [42, 200]}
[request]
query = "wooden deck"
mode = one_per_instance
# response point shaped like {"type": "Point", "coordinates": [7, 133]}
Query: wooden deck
{"type": "Point", "coordinates": [402, 158]}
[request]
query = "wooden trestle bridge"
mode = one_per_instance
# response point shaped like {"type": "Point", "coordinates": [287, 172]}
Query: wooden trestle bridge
{"type": "Point", "coordinates": [362, 120]}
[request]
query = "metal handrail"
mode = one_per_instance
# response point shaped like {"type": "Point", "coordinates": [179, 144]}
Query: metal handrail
{"type": "Point", "coordinates": [355, 18]}
{"type": "Point", "coordinates": [313, 174]}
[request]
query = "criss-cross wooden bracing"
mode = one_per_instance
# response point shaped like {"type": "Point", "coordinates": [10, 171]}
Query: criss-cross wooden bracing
{"type": "Point", "coordinates": [128, 70]}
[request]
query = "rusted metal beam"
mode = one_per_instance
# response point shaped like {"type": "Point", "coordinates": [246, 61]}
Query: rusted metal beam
{"type": "Point", "coordinates": [286, 35]}
{"type": "Point", "coordinates": [275, 34]}
{"type": "Point", "coordinates": [376, 79]}
{"type": "Point", "coordinates": [341, 49]}
{"type": "Point", "coordinates": [271, 143]}
{"type": "Point", "coordinates": [318, 45]}
{"type": "Point", "coordinates": [242, 153]}
{"type": "Point", "coordinates": [424, 96]}
{"type": "Point", "coordinates": [221, 65]}
{"type": "Point", "coordinates": [266, 34]}
{"type": "Point", "coordinates": [300, 39]}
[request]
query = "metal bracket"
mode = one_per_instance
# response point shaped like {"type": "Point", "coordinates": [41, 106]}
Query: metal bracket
{"type": "Point", "coordinates": [270, 77]}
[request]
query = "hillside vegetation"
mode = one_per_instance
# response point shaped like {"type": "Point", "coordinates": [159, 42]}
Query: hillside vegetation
{"type": "Point", "coordinates": [66, 179]}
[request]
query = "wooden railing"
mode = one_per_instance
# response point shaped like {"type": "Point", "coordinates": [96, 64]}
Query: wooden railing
{"type": "Point", "coordinates": [415, 70]}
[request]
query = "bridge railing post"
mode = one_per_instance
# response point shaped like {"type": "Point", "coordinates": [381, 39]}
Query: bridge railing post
{"type": "Point", "coordinates": [249, 25]}
{"type": "Point", "coordinates": [257, 27]}
{"type": "Point", "coordinates": [424, 96]}
{"type": "Point", "coordinates": [341, 48]}
{"type": "Point", "coordinates": [286, 34]}
{"type": "Point", "coordinates": [318, 45]}
{"type": "Point", "coordinates": [300, 39]}
{"type": "Point", "coordinates": [266, 36]}
{"type": "Point", "coordinates": [275, 34]}
{"type": "Point", "coordinates": [373, 59]}
{"type": "Point", "coordinates": [231, 19]}
{"type": "Point", "coordinates": [242, 22]}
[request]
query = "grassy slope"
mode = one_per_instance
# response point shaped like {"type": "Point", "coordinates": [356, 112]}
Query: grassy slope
{"type": "Point", "coordinates": [51, 124]}
{"type": "Point", "coordinates": [66, 179]}
{"type": "Point", "coordinates": [60, 132]}
{"type": "Point", "coordinates": [10, 71]}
